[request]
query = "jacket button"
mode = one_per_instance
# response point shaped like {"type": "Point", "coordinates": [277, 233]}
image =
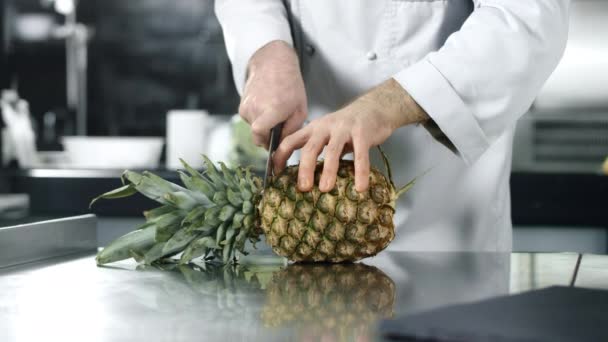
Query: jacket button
{"type": "Point", "coordinates": [372, 56]}
{"type": "Point", "coordinates": [310, 50]}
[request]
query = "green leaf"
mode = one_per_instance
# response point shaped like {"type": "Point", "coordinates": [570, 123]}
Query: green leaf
{"type": "Point", "coordinates": [181, 199]}
{"type": "Point", "coordinates": [230, 233]}
{"type": "Point", "coordinates": [246, 194]}
{"type": "Point", "coordinates": [160, 182]}
{"type": "Point", "coordinates": [197, 248]}
{"type": "Point", "coordinates": [123, 191]}
{"type": "Point", "coordinates": [131, 177]}
{"type": "Point", "coordinates": [226, 213]}
{"type": "Point", "coordinates": [229, 236]}
{"type": "Point", "coordinates": [228, 177]}
{"type": "Point", "coordinates": [190, 169]}
{"type": "Point", "coordinates": [155, 253]}
{"type": "Point", "coordinates": [168, 219]}
{"type": "Point", "coordinates": [240, 239]}
{"type": "Point", "coordinates": [211, 216]}
{"type": "Point", "coordinates": [237, 220]}
{"type": "Point", "coordinates": [167, 225]}
{"type": "Point", "coordinates": [204, 186]}
{"type": "Point", "coordinates": [209, 165]}
{"type": "Point", "coordinates": [249, 180]}
{"type": "Point", "coordinates": [194, 214]}
{"type": "Point", "coordinates": [214, 175]}
{"type": "Point", "coordinates": [145, 225]}
{"type": "Point", "coordinates": [179, 241]}
{"type": "Point", "coordinates": [163, 235]}
{"type": "Point", "coordinates": [221, 231]}
{"type": "Point", "coordinates": [247, 207]}
{"type": "Point", "coordinates": [204, 229]}
{"type": "Point", "coordinates": [220, 198]}
{"type": "Point", "coordinates": [234, 198]}
{"type": "Point", "coordinates": [228, 249]}
{"type": "Point", "coordinates": [238, 173]}
{"type": "Point", "coordinates": [120, 248]}
{"type": "Point", "coordinates": [248, 221]}
{"type": "Point", "coordinates": [218, 183]}
{"type": "Point", "coordinates": [159, 211]}
{"type": "Point", "coordinates": [147, 187]}
{"type": "Point", "coordinates": [187, 180]}
{"type": "Point", "coordinates": [136, 255]}
{"type": "Point", "coordinates": [193, 189]}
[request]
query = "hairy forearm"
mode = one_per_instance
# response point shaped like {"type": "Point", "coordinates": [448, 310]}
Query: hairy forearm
{"type": "Point", "coordinates": [395, 103]}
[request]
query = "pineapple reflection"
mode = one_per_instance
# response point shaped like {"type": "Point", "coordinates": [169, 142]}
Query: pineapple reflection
{"type": "Point", "coordinates": [330, 301]}
{"type": "Point", "coordinates": [338, 301]}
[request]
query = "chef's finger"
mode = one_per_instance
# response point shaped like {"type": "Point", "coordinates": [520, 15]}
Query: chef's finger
{"type": "Point", "coordinates": [245, 117]}
{"type": "Point", "coordinates": [265, 121]}
{"type": "Point", "coordinates": [287, 146]}
{"type": "Point", "coordinates": [261, 140]}
{"type": "Point", "coordinates": [245, 110]}
{"type": "Point", "coordinates": [293, 123]}
{"type": "Point", "coordinates": [361, 149]}
{"type": "Point", "coordinates": [308, 161]}
{"type": "Point", "coordinates": [333, 150]}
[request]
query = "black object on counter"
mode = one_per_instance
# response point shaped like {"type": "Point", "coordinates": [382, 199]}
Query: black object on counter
{"type": "Point", "coordinates": [553, 314]}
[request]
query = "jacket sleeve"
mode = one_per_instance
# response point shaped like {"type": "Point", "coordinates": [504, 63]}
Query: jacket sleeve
{"type": "Point", "coordinates": [488, 73]}
{"type": "Point", "coordinates": [248, 25]}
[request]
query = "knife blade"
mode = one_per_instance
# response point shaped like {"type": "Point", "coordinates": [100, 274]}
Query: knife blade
{"type": "Point", "coordinates": [275, 137]}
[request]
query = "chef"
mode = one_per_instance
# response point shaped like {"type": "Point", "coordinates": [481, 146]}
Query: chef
{"type": "Point", "coordinates": [439, 83]}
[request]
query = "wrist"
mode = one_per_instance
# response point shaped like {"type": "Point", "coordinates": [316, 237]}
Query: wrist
{"type": "Point", "coordinates": [272, 57]}
{"type": "Point", "coordinates": [403, 107]}
{"type": "Point", "coordinates": [391, 101]}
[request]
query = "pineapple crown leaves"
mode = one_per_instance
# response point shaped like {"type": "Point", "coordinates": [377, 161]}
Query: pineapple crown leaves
{"type": "Point", "coordinates": [387, 166]}
{"type": "Point", "coordinates": [157, 189]}
{"type": "Point", "coordinates": [211, 217]}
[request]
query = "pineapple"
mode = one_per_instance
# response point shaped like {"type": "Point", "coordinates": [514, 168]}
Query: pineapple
{"type": "Point", "coordinates": [217, 211]}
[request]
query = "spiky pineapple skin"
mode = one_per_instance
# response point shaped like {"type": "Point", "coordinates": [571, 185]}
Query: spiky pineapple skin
{"type": "Point", "coordinates": [337, 226]}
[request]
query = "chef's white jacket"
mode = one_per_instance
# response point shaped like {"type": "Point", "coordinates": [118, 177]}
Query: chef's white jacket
{"type": "Point", "coordinates": [474, 66]}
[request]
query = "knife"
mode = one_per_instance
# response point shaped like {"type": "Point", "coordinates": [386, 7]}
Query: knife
{"type": "Point", "coordinates": [275, 137]}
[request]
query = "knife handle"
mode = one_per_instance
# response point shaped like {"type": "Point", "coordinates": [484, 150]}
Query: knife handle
{"type": "Point", "coordinates": [275, 137]}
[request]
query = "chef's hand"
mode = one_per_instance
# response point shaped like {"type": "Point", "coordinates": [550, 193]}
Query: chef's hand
{"type": "Point", "coordinates": [364, 123]}
{"type": "Point", "coordinates": [274, 92]}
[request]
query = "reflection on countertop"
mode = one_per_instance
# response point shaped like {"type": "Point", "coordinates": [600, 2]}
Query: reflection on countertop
{"type": "Point", "coordinates": [593, 272]}
{"type": "Point", "coordinates": [71, 299]}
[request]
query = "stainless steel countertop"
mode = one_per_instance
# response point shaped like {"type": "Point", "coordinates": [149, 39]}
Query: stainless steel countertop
{"type": "Point", "coordinates": [70, 299]}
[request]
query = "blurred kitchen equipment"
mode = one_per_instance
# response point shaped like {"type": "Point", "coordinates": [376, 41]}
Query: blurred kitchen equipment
{"type": "Point", "coordinates": [49, 131]}
{"type": "Point", "coordinates": [219, 142]}
{"type": "Point", "coordinates": [186, 137]}
{"type": "Point", "coordinates": [113, 152]}
{"type": "Point", "coordinates": [14, 206]}
{"type": "Point", "coordinates": [582, 74]}
{"type": "Point", "coordinates": [567, 128]}
{"type": "Point", "coordinates": [46, 239]}
{"type": "Point", "coordinates": [53, 160]}
{"type": "Point", "coordinates": [568, 141]}
{"type": "Point", "coordinates": [77, 36]}
{"type": "Point", "coordinates": [34, 26]}
{"type": "Point", "coordinates": [19, 141]}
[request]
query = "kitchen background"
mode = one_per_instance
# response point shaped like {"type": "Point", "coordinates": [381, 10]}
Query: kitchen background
{"type": "Point", "coordinates": [150, 68]}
